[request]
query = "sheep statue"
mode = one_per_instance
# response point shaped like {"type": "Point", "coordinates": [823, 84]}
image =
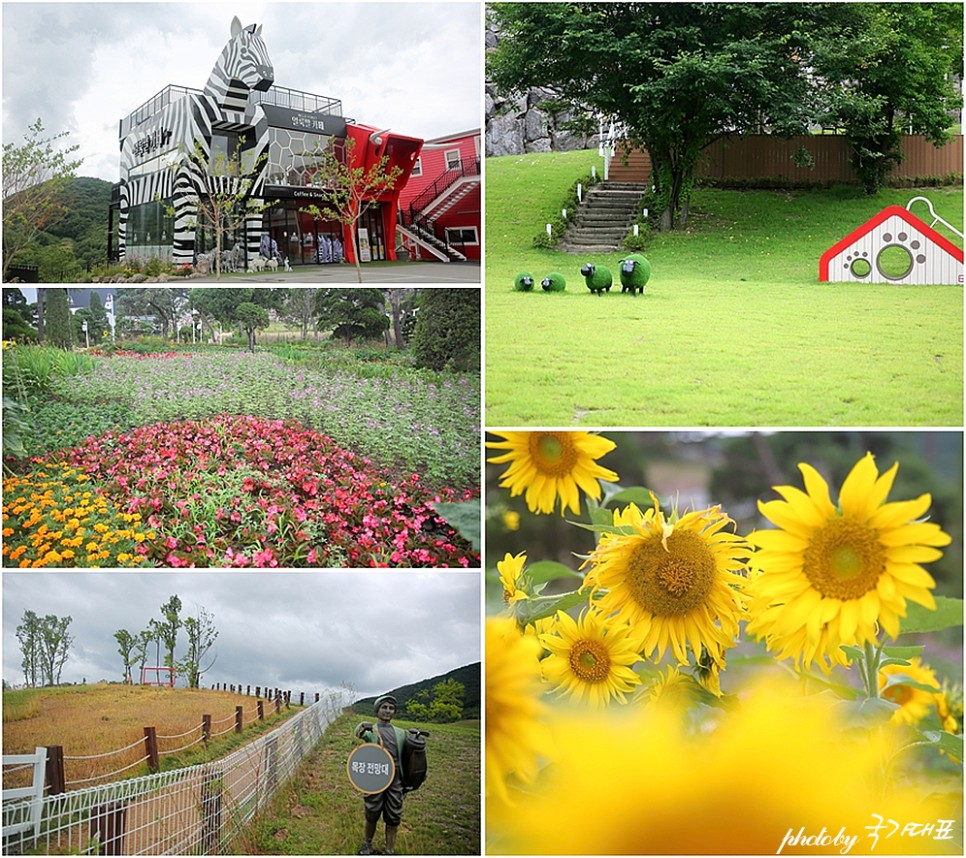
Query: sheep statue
{"type": "Point", "coordinates": [635, 272]}
{"type": "Point", "coordinates": [523, 282]}
{"type": "Point", "coordinates": [597, 277]}
{"type": "Point", "coordinates": [553, 282]}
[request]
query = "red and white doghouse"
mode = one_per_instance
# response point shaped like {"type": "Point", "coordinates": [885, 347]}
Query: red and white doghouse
{"type": "Point", "coordinates": [895, 247]}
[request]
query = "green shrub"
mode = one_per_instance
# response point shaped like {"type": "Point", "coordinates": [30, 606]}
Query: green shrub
{"type": "Point", "coordinates": [447, 334]}
{"type": "Point", "coordinates": [558, 224]}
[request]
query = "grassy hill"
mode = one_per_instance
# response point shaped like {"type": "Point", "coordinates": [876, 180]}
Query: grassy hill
{"type": "Point", "coordinates": [734, 329]}
{"type": "Point", "coordinates": [89, 720]}
{"type": "Point", "coordinates": [468, 676]}
{"type": "Point", "coordinates": [77, 242]}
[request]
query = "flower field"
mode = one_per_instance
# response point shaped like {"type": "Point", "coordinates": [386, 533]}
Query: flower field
{"type": "Point", "coordinates": [232, 459]}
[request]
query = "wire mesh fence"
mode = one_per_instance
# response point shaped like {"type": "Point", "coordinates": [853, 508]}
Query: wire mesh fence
{"type": "Point", "coordinates": [200, 809]}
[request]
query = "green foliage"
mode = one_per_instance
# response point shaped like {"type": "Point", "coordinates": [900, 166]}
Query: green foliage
{"type": "Point", "coordinates": [447, 334]}
{"type": "Point", "coordinates": [465, 518]}
{"type": "Point", "coordinates": [16, 328]}
{"type": "Point", "coordinates": [252, 318]}
{"type": "Point", "coordinates": [57, 325]}
{"type": "Point", "coordinates": [443, 704]}
{"type": "Point", "coordinates": [351, 313]}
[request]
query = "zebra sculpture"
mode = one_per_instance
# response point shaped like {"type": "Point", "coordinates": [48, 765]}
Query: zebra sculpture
{"type": "Point", "coordinates": [185, 127]}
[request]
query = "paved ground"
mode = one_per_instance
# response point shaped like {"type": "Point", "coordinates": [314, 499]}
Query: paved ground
{"type": "Point", "coordinates": [414, 273]}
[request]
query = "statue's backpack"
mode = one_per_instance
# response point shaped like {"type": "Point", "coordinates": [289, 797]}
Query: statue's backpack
{"type": "Point", "coordinates": [414, 765]}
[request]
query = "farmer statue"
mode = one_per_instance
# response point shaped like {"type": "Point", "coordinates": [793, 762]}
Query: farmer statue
{"type": "Point", "coordinates": [389, 802]}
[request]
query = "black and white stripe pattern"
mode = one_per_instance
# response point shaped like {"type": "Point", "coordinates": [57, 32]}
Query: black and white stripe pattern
{"type": "Point", "coordinates": [185, 127]}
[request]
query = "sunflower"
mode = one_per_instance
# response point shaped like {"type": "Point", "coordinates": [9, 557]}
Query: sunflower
{"type": "Point", "coordinates": [676, 582]}
{"type": "Point", "coordinates": [551, 465]}
{"type": "Point", "coordinates": [671, 688]}
{"type": "Point", "coordinates": [516, 733]}
{"type": "Point", "coordinates": [914, 703]}
{"type": "Point", "coordinates": [590, 658]}
{"type": "Point", "coordinates": [511, 572]}
{"type": "Point", "coordinates": [830, 574]}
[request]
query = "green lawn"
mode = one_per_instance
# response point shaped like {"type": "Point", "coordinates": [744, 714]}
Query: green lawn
{"type": "Point", "coordinates": [734, 329]}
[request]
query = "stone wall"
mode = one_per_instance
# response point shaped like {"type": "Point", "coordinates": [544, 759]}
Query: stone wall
{"type": "Point", "coordinates": [515, 126]}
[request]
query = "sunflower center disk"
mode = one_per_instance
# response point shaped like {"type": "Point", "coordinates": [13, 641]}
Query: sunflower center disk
{"type": "Point", "coordinates": [674, 581]}
{"type": "Point", "coordinates": [589, 661]}
{"type": "Point", "coordinates": [844, 559]}
{"type": "Point", "coordinates": [553, 453]}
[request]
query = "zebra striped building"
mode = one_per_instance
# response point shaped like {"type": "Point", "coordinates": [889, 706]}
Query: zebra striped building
{"type": "Point", "coordinates": [175, 148]}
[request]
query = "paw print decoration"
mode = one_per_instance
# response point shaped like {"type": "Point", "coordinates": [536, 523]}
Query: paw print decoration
{"type": "Point", "coordinates": [894, 247]}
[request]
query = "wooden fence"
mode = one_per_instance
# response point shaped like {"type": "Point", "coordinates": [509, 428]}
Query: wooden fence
{"type": "Point", "coordinates": [747, 159]}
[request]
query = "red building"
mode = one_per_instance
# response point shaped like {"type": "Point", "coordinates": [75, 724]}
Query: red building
{"type": "Point", "coordinates": [440, 211]}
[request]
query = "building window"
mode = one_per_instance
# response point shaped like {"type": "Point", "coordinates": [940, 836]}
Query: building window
{"type": "Point", "coordinates": [417, 168]}
{"type": "Point", "coordinates": [453, 159]}
{"type": "Point", "coordinates": [461, 235]}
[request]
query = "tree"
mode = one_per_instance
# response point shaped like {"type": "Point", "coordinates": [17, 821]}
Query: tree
{"type": "Point", "coordinates": [251, 317]}
{"type": "Point", "coordinates": [53, 642]}
{"type": "Point", "coordinates": [126, 646]}
{"type": "Point", "coordinates": [676, 75]}
{"type": "Point", "coordinates": [887, 69]}
{"type": "Point", "coordinates": [28, 633]}
{"type": "Point", "coordinates": [58, 328]}
{"type": "Point", "coordinates": [35, 174]}
{"type": "Point", "coordinates": [144, 639]}
{"type": "Point", "coordinates": [201, 634]}
{"type": "Point", "coordinates": [351, 313]}
{"type": "Point", "coordinates": [445, 703]}
{"type": "Point", "coordinates": [300, 308]}
{"type": "Point", "coordinates": [351, 190]}
{"type": "Point", "coordinates": [401, 304]}
{"type": "Point", "coordinates": [447, 332]}
{"type": "Point", "coordinates": [170, 610]}
{"type": "Point", "coordinates": [165, 304]}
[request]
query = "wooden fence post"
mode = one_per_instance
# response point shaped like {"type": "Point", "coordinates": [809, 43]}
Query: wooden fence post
{"type": "Point", "coordinates": [316, 696]}
{"type": "Point", "coordinates": [261, 710]}
{"type": "Point", "coordinates": [258, 691]}
{"type": "Point", "coordinates": [206, 728]}
{"type": "Point", "coordinates": [278, 704]}
{"type": "Point", "coordinates": [248, 691]}
{"type": "Point", "coordinates": [301, 698]}
{"type": "Point", "coordinates": [56, 782]}
{"type": "Point", "coordinates": [107, 826]}
{"type": "Point", "coordinates": [238, 719]}
{"type": "Point", "coordinates": [151, 748]}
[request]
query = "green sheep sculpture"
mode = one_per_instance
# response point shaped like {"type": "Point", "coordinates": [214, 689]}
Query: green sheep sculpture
{"type": "Point", "coordinates": [523, 282]}
{"type": "Point", "coordinates": [635, 272]}
{"type": "Point", "coordinates": [597, 277]}
{"type": "Point", "coordinates": [553, 282]}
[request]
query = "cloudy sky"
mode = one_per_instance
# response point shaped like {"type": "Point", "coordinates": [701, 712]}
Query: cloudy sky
{"type": "Point", "coordinates": [299, 631]}
{"type": "Point", "coordinates": [81, 67]}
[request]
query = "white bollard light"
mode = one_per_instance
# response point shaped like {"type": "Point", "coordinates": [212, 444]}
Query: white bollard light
{"type": "Point", "coordinates": [564, 213]}
{"type": "Point", "coordinates": [549, 229]}
{"type": "Point", "coordinates": [580, 192]}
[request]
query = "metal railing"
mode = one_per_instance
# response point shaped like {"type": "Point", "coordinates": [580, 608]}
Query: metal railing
{"type": "Point", "coordinates": [199, 809]}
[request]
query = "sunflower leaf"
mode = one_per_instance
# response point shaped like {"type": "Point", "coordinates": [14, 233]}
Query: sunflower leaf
{"type": "Point", "coordinates": [853, 652]}
{"type": "Point", "coordinates": [908, 681]}
{"type": "Point", "coordinates": [903, 651]}
{"type": "Point", "coordinates": [948, 613]}
{"type": "Point", "coordinates": [870, 712]}
{"type": "Point", "coordinates": [542, 607]}
{"type": "Point", "coordinates": [637, 495]}
{"type": "Point", "coordinates": [952, 745]}
{"type": "Point", "coordinates": [544, 571]}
